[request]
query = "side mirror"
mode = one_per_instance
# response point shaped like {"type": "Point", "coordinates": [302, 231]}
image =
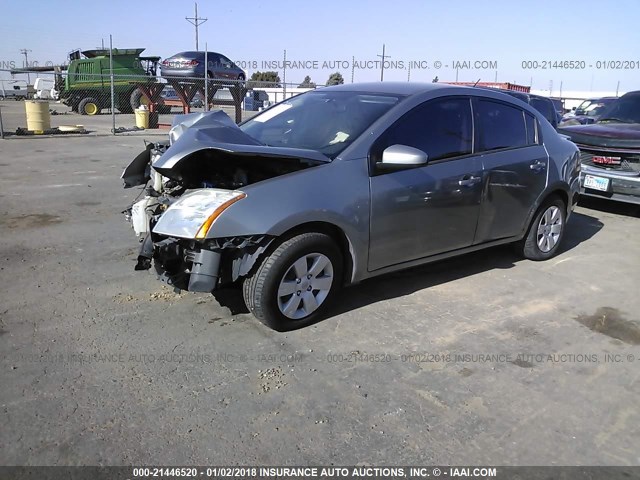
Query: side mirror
{"type": "Point", "coordinates": [573, 109]}
{"type": "Point", "coordinates": [398, 156]}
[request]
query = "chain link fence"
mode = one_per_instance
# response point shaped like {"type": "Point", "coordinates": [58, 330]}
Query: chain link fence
{"type": "Point", "coordinates": [106, 103]}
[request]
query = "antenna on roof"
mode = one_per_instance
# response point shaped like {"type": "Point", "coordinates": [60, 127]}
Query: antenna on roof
{"type": "Point", "coordinates": [477, 82]}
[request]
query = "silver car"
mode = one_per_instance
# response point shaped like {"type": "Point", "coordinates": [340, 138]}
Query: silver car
{"type": "Point", "coordinates": [345, 183]}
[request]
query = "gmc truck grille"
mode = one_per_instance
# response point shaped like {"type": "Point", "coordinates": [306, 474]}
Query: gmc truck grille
{"type": "Point", "coordinates": [621, 162]}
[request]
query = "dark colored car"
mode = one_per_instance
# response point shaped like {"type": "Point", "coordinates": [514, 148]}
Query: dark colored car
{"type": "Point", "coordinates": [349, 182]}
{"type": "Point", "coordinates": [587, 112]}
{"type": "Point", "coordinates": [192, 65]}
{"type": "Point", "coordinates": [559, 106]}
{"type": "Point", "coordinates": [610, 151]}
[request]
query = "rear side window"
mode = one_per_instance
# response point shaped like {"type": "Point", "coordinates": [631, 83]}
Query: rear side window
{"type": "Point", "coordinates": [531, 124]}
{"type": "Point", "coordinates": [545, 107]}
{"type": "Point", "coordinates": [500, 126]}
{"type": "Point", "coordinates": [441, 128]}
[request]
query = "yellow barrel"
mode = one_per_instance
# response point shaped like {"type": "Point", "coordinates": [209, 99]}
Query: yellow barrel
{"type": "Point", "coordinates": [142, 117]}
{"type": "Point", "coordinates": [38, 116]}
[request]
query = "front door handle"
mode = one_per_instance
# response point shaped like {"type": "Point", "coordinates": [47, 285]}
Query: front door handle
{"type": "Point", "coordinates": [538, 166]}
{"type": "Point", "coordinates": [469, 181]}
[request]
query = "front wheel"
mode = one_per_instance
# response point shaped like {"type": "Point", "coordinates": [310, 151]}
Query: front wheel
{"type": "Point", "coordinates": [545, 232]}
{"type": "Point", "coordinates": [89, 106]}
{"type": "Point", "coordinates": [296, 283]}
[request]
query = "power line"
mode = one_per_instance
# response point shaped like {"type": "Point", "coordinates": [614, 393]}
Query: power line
{"type": "Point", "coordinates": [195, 21]}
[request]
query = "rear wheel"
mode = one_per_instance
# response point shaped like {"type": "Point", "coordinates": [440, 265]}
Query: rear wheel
{"type": "Point", "coordinates": [546, 231]}
{"type": "Point", "coordinates": [89, 106]}
{"type": "Point", "coordinates": [296, 283]}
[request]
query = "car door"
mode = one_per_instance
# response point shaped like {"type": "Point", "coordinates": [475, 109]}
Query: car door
{"type": "Point", "coordinates": [515, 164]}
{"type": "Point", "coordinates": [226, 66]}
{"type": "Point", "coordinates": [433, 208]}
{"type": "Point", "coordinates": [215, 65]}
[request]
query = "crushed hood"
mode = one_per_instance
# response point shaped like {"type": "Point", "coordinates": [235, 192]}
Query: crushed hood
{"type": "Point", "coordinates": [195, 132]}
{"type": "Point", "coordinates": [215, 130]}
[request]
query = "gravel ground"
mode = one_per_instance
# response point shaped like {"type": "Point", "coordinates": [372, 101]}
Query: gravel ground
{"type": "Point", "coordinates": [484, 359]}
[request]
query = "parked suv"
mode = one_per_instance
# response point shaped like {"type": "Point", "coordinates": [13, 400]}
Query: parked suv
{"type": "Point", "coordinates": [546, 106]}
{"type": "Point", "coordinates": [610, 151]}
{"type": "Point", "coordinates": [192, 65]}
{"type": "Point", "coordinates": [587, 112]}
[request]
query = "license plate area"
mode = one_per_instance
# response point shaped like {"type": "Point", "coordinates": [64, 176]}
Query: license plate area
{"type": "Point", "coordinates": [596, 183]}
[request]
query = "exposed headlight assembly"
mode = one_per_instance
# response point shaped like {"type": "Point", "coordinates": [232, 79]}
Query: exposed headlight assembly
{"type": "Point", "coordinates": [193, 215]}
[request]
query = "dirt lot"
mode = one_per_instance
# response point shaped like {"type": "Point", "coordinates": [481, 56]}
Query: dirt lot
{"type": "Point", "coordinates": [485, 359]}
{"type": "Point", "coordinates": [14, 117]}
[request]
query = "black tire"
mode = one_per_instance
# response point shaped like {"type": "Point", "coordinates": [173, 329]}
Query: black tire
{"type": "Point", "coordinates": [89, 106]}
{"type": "Point", "coordinates": [530, 246]}
{"type": "Point", "coordinates": [260, 290]}
{"type": "Point", "coordinates": [135, 100]}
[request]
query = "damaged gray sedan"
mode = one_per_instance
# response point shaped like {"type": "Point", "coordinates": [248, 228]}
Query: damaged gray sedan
{"type": "Point", "coordinates": [345, 183]}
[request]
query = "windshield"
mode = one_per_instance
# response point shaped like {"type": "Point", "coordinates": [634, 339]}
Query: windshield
{"type": "Point", "coordinates": [595, 109]}
{"type": "Point", "coordinates": [325, 121]}
{"type": "Point", "coordinates": [583, 106]}
{"type": "Point", "coordinates": [624, 110]}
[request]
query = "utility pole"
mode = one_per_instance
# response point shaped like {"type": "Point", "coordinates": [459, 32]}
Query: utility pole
{"type": "Point", "coordinates": [383, 56]}
{"type": "Point", "coordinates": [353, 66]}
{"type": "Point", "coordinates": [25, 52]}
{"type": "Point", "coordinates": [195, 21]}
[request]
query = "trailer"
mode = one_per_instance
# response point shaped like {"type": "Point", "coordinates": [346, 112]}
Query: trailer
{"type": "Point", "coordinates": [14, 89]}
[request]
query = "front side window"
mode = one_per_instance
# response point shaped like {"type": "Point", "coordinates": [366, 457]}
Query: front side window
{"type": "Point", "coordinates": [326, 121]}
{"type": "Point", "coordinates": [441, 128]}
{"type": "Point", "coordinates": [500, 126]}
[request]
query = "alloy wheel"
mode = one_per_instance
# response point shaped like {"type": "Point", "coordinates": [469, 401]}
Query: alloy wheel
{"type": "Point", "coordinates": [305, 286]}
{"type": "Point", "coordinates": [549, 229]}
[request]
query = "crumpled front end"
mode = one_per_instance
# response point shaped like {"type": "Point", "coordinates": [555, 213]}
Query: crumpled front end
{"type": "Point", "coordinates": [205, 266]}
{"type": "Point", "coordinates": [191, 180]}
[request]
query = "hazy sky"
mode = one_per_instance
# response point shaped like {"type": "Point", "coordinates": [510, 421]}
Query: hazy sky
{"type": "Point", "coordinates": [506, 33]}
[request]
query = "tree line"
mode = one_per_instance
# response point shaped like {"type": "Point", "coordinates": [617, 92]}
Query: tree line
{"type": "Point", "coordinates": [272, 79]}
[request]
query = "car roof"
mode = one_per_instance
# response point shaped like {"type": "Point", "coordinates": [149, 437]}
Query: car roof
{"type": "Point", "coordinates": [192, 53]}
{"type": "Point", "coordinates": [416, 88]}
{"type": "Point", "coordinates": [631, 94]}
{"type": "Point", "coordinates": [394, 88]}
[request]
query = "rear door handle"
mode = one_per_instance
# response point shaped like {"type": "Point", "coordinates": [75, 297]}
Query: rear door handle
{"type": "Point", "coordinates": [538, 166]}
{"type": "Point", "coordinates": [469, 181]}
